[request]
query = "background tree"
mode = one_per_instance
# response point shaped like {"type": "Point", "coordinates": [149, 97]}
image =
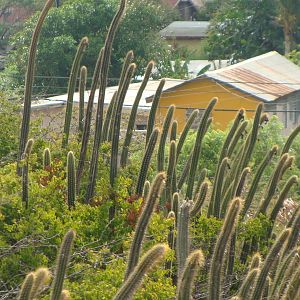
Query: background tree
{"type": "Point", "coordinates": [242, 29]}
{"type": "Point", "coordinates": [66, 25]}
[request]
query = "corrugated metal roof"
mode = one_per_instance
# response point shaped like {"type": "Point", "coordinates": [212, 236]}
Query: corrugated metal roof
{"type": "Point", "coordinates": [129, 99]}
{"type": "Point", "coordinates": [186, 29]}
{"type": "Point", "coordinates": [268, 77]}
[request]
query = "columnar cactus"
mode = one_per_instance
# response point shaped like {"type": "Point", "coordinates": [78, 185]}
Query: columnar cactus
{"type": "Point", "coordinates": [71, 89]}
{"type": "Point", "coordinates": [71, 180]}
{"type": "Point", "coordinates": [194, 262]}
{"type": "Point", "coordinates": [29, 81]}
{"type": "Point", "coordinates": [47, 159]}
{"type": "Point", "coordinates": [25, 182]}
{"type": "Point", "coordinates": [143, 222]}
{"type": "Point", "coordinates": [261, 279]}
{"type": "Point", "coordinates": [170, 171]}
{"type": "Point", "coordinates": [290, 140]}
{"type": "Point", "coordinates": [201, 179]}
{"type": "Point", "coordinates": [248, 282]}
{"type": "Point", "coordinates": [105, 62]}
{"type": "Point", "coordinates": [173, 133]}
{"type": "Point", "coordinates": [133, 113]}
{"type": "Point", "coordinates": [151, 258]}
{"type": "Point", "coordinates": [146, 189]}
{"type": "Point", "coordinates": [237, 136]}
{"type": "Point", "coordinates": [41, 276]}
{"type": "Point", "coordinates": [26, 287]}
{"type": "Point", "coordinates": [62, 264]}
{"type": "Point", "coordinates": [197, 147]}
{"type": "Point", "coordinates": [253, 187]}
{"type": "Point", "coordinates": [218, 258]}
{"type": "Point", "coordinates": [255, 261]}
{"type": "Point", "coordinates": [154, 106]}
{"type": "Point", "coordinates": [163, 139]}
{"type": "Point", "coordinates": [199, 200]}
{"type": "Point", "coordinates": [183, 237]}
{"type": "Point", "coordinates": [295, 230]}
{"type": "Point", "coordinates": [146, 161]}
{"type": "Point", "coordinates": [117, 122]}
{"type": "Point", "coordinates": [87, 121]}
{"type": "Point", "coordinates": [106, 134]}
{"type": "Point", "coordinates": [82, 88]}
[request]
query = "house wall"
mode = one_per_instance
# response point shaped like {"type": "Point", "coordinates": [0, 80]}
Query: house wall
{"type": "Point", "coordinates": [195, 46]}
{"type": "Point", "coordinates": [197, 94]}
{"type": "Point", "coordinates": [15, 14]}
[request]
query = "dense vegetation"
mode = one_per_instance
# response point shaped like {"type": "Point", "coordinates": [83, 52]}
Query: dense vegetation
{"type": "Point", "coordinates": [214, 213]}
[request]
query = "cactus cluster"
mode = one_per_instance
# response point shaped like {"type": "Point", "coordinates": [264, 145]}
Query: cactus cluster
{"type": "Point", "coordinates": [181, 197]}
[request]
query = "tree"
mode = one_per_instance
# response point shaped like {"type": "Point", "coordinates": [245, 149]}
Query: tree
{"type": "Point", "coordinates": [242, 29]}
{"type": "Point", "coordinates": [289, 17]}
{"type": "Point", "coordinates": [66, 25]}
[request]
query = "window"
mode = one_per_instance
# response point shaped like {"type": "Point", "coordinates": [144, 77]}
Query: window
{"type": "Point", "coordinates": [141, 126]}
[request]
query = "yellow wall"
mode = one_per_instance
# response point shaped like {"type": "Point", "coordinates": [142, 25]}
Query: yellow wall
{"type": "Point", "coordinates": [197, 94]}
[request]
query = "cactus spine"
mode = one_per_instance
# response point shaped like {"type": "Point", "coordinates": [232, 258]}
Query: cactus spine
{"type": "Point", "coordinates": [25, 182]}
{"type": "Point", "coordinates": [186, 281]}
{"type": "Point", "coordinates": [87, 122]}
{"type": "Point", "coordinates": [146, 161]}
{"type": "Point", "coordinates": [278, 245]}
{"type": "Point", "coordinates": [105, 62]}
{"type": "Point", "coordinates": [163, 139]}
{"type": "Point", "coordinates": [117, 123]}
{"type": "Point", "coordinates": [61, 265]}
{"type": "Point", "coordinates": [183, 238]}
{"type": "Point", "coordinates": [218, 257]}
{"type": "Point", "coordinates": [197, 147]}
{"type": "Point", "coordinates": [132, 118]}
{"type": "Point", "coordinates": [71, 180]}
{"type": "Point", "coordinates": [71, 90]}
{"type": "Point", "coordinates": [29, 81]}
{"type": "Point", "coordinates": [47, 159]}
{"type": "Point", "coordinates": [26, 287]}
{"type": "Point", "coordinates": [154, 106]}
{"type": "Point", "coordinates": [82, 88]}
{"type": "Point", "coordinates": [143, 222]}
{"type": "Point", "coordinates": [170, 171]}
{"type": "Point", "coordinates": [151, 258]}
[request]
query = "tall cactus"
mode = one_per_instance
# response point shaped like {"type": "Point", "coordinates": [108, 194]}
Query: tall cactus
{"type": "Point", "coordinates": [163, 139]}
{"type": "Point", "coordinates": [143, 222]}
{"type": "Point", "coordinates": [290, 140]}
{"type": "Point", "coordinates": [25, 182]}
{"type": "Point", "coordinates": [127, 62]}
{"type": "Point", "coordinates": [199, 199]}
{"type": "Point", "coordinates": [170, 171]}
{"type": "Point", "coordinates": [87, 121]}
{"type": "Point", "coordinates": [266, 266]}
{"type": "Point", "coordinates": [108, 118]}
{"type": "Point", "coordinates": [247, 284]}
{"type": "Point", "coordinates": [253, 187]}
{"type": "Point", "coordinates": [71, 180]}
{"type": "Point", "coordinates": [29, 81]}
{"type": "Point", "coordinates": [41, 276]}
{"type": "Point", "coordinates": [105, 62]}
{"type": "Point", "coordinates": [46, 159]}
{"type": "Point", "coordinates": [193, 264]}
{"type": "Point", "coordinates": [154, 106]}
{"type": "Point", "coordinates": [216, 267]}
{"type": "Point", "coordinates": [146, 161]}
{"type": "Point", "coordinates": [201, 179]}
{"type": "Point", "coordinates": [82, 88]}
{"type": "Point", "coordinates": [173, 133]}
{"type": "Point", "coordinates": [26, 288]}
{"type": "Point", "coordinates": [186, 130]}
{"type": "Point", "coordinates": [295, 230]}
{"type": "Point", "coordinates": [183, 237]}
{"type": "Point", "coordinates": [117, 123]}
{"type": "Point", "coordinates": [151, 258]}
{"type": "Point", "coordinates": [237, 136]}
{"type": "Point", "coordinates": [62, 264]}
{"type": "Point", "coordinates": [71, 89]}
{"type": "Point", "coordinates": [133, 113]}
{"type": "Point", "coordinates": [197, 147]}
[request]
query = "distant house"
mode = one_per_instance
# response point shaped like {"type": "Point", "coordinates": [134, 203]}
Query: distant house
{"type": "Point", "coordinates": [188, 9]}
{"type": "Point", "coordinates": [15, 14]}
{"type": "Point", "coordinates": [269, 78]}
{"type": "Point", "coordinates": [187, 34]}
{"type": "Point", "coordinates": [51, 110]}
